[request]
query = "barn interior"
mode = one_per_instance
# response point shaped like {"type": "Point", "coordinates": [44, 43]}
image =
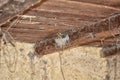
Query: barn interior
{"type": "Point", "coordinates": [59, 39]}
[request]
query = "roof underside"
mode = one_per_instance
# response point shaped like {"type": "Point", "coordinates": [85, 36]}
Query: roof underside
{"type": "Point", "coordinates": [86, 22]}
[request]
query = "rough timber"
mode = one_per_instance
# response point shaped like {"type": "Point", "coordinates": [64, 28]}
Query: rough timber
{"type": "Point", "coordinates": [11, 8]}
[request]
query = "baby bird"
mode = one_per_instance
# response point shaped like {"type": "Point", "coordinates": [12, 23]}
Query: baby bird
{"type": "Point", "coordinates": [62, 40]}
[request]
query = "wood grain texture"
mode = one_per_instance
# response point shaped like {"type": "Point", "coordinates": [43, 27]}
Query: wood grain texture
{"type": "Point", "coordinates": [10, 8]}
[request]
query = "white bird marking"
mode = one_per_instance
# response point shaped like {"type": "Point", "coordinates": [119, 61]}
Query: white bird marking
{"type": "Point", "coordinates": [62, 41]}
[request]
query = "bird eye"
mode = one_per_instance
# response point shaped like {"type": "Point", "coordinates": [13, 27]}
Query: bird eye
{"type": "Point", "coordinates": [63, 36]}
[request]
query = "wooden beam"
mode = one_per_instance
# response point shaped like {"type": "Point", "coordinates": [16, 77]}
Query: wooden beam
{"type": "Point", "coordinates": [104, 29]}
{"type": "Point", "coordinates": [12, 8]}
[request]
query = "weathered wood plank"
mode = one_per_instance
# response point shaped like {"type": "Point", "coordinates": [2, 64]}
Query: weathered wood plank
{"type": "Point", "coordinates": [10, 8]}
{"type": "Point", "coordinates": [111, 3]}
{"type": "Point", "coordinates": [79, 37]}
